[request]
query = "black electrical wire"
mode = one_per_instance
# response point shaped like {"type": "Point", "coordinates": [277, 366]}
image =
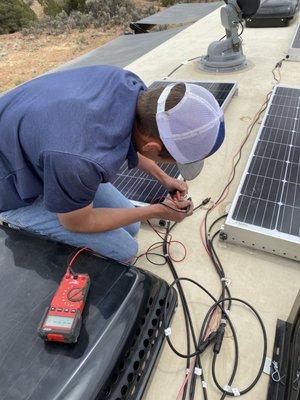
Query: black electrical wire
{"type": "Point", "coordinates": [187, 316]}
{"type": "Point", "coordinates": [242, 31]}
{"type": "Point", "coordinates": [225, 291]}
{"type": "Point", "coordinates": [219, 304]}
{"type": "Point", "coordinates": [265, 345]}
{"type": "Point", "coordinates": [216, 221]}
{"type": "Point", "coordinates": [217, 264]}
{"type": "Point", "coordinates": [180, 65]}
{"type": "Point", "coordinates": [214, 256]}
{"type": "Point", "coordinates": [209, 242]}
{"type": "Point", "coordinates": [225, 297]}
{"type": "Point", "coordinates": [200, 341]}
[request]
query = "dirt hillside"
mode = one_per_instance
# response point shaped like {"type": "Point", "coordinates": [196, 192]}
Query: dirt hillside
{"type": "Point", "coordinates": [24, 57]}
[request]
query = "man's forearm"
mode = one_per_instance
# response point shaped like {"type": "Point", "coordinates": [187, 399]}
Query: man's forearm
{"type": "Point", "coordinates": [149, 166]}
{"type": "Point", "coordinates": [107, 219]}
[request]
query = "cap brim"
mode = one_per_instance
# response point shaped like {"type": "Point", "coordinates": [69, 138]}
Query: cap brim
{"type": "Point", "coordinates": [190, 171]}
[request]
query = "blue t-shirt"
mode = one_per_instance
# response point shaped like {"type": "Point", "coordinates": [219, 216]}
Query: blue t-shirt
{"type": "Point", "coordinates": [63, 134]}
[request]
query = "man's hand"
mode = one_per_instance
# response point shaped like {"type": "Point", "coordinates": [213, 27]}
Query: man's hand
{"type": "Point", "coordinates": [174, 185]}
{"type": "Point", "coordinates": [168, 210]}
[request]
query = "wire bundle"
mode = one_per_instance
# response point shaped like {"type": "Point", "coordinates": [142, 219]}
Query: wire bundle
{"type": "Point", "coordinates": [218, 316]}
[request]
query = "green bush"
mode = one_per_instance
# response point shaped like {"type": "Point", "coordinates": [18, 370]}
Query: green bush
{"type": "Point", "coordinates": [167, 3]}
{"type": "Point", "coordinates": [74, 5]}
{"type": "Point", "coordinates": [97, 13]}
{"type": "Point", "coordinates": [51, 7]}
{"type": "Point", "coordinates": [14, 15]}
{"type": "Point", "coordinates": [54, 7]}
{"type": "Point", "coordinates": [116, 12]}
{"type": "Point", "coordinates": [61, 23]}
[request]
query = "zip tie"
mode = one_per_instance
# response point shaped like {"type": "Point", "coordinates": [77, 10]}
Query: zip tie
{"type": "Point", "coordinates": [276, 377]}
{"type": "Point", "coordinates": [166, 255]}
{"type": "Point", "coordinates": [296, 381]}
{"type": "Point", "coordinates": [236, 392]}
{"type": "Point", "coordinates": [223, 321]}
{"type": "Point", "coordinates": [227, 389]}
{"type": "Point", "coordinates": [168, 332]}
{"type": "Point", "coordinates": [227, 281]}
{"type": "Point", "coordinates": [198, 371]}
{"type": "Point", "coordinates": [204, 384]}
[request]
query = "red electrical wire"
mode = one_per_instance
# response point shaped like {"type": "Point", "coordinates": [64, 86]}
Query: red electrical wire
{"type": "Point", "coordinates": [224, 195]}
{"type": "Point", "coordinates": [159, 245]}
{"type": "Point", "coordinates": [74, 256]}
{"type": "Point", "coordinates": [188, 375]}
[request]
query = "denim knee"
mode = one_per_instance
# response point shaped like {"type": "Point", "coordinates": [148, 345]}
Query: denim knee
{"type": "Point", "coordinates": [133, 228]}
{"type": "Point", "coordinates": [126, 252]}
{"type": "Point", "coordinates": [123, 249]}
{"type": "Point", "coordinates": [133, 248]}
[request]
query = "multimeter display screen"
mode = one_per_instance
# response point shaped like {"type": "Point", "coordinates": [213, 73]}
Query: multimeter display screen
{"type": "Point", "coordinates": [61, 322]}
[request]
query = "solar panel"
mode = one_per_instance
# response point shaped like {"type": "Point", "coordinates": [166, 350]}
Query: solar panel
{"type": "Point", "coordinates": [140, 187]}
{"type": "Point", "coordinates": [266, 210]}
{"type": "Point", "coordinates": [296, 42]}
{"type": "Point", "coordinates": [294, 51]}
{"type": "Point", "coordinates": [223, 91]}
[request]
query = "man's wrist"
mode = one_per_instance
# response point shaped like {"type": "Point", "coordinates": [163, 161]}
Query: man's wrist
{"type": "Point", "coordinates": [152, 211]}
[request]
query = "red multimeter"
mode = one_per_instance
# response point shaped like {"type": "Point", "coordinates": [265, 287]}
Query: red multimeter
{"type": "Point", "coordinates": [63, 318]}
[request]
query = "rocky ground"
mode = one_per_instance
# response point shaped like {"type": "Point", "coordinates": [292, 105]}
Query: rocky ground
{"type": "Point", "coordinates": [24, 57]}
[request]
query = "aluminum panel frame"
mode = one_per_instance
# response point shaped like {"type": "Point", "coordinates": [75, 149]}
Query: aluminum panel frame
{"type": "Point", "coordinates": [253, 236]}
{"type": "Point", "coordinates": [293, 53]}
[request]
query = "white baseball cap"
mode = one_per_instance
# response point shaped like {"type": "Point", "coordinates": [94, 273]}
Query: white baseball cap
{"type": "Point", "coordinates": [192, 130]}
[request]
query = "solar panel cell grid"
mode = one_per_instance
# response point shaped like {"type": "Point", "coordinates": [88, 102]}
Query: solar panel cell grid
{"type": "Point", "coordinates": [270, 195]}
{"type": "Point", "coordinates": [138, 186]}
{"type": "Point", "coordinates": [218, 89]}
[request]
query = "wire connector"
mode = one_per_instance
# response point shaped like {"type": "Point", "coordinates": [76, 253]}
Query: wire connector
{"type": "Point", "coordinates": [236, 392]}
{"type": "Point", "coordinates": [206, 201]}
{"type": "Point", "coordinates": [168, 332]}
{"type": "Point", "coordinates": [198, 371]}
{"type": "Point", "coordinates": [219, 338]}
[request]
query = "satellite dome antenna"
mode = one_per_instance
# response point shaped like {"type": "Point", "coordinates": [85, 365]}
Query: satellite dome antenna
{"type": "Point", "coordinates": [227, 54]}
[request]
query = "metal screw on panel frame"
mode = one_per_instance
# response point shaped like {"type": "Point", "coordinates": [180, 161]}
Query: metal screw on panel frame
{"type": "Point", "coordinates": [223, 235]}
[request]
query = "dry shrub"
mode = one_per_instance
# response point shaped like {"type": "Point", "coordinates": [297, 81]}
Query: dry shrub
{"type": "Point", "coordinates": [97, 13]}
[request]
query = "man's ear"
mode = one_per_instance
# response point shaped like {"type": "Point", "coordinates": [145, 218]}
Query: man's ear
{"type": "Point", "coordinates": [152, 147]}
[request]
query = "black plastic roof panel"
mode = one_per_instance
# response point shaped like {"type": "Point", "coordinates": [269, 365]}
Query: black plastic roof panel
{"type": "Point", "coordinates": [115, 338]}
